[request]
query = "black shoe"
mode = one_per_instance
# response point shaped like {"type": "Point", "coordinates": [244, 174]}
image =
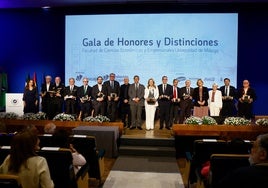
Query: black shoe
{"type": "Point", "coordinates": [161, 128]}
{"type": "Point", "coordinates": [168, 128]}
{"type": "Point", "coordinates": [140, 128]}
{"type": "Point", "coordinates": [131, 128]}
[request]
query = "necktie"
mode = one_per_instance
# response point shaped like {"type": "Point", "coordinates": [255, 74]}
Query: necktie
{"type": "Point", "coordinates": [213, 96]}
{"type": "Point", "coordinates": [112, 84]}
{"type": "Point", "coordinates": [187, 90]}
{"type": "Point", "coordinates": [164, 88]}
{"type": "Point", "coordinates": [136, 89]}
{"type": "Point", "coordinates": [174, 93]}
{"type": "Point", "coordinates": [71, 88]}
{"type": "Point", "coordinates": [85, 89]}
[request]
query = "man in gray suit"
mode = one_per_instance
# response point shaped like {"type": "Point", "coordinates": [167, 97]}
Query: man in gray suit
{"type": "Point", "coordinates": [136, 102]}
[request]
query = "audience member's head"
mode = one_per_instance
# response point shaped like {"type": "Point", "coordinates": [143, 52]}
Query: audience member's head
{"type": "Point", "coordinates": [23, 146]}
{"type": "Point", "coordinates": [31, 128]}
{"type": "Point", "coordinates": [50, 128]}
{"type": "Point", "coordinates": [259, 151]}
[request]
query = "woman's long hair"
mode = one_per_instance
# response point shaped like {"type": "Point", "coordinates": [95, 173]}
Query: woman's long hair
{"type": "Point", "coordinates": [148, 85]}
{"type": "Point", "coordinates": [27, 85]}
{"type": "Point", "coordinates": [23, 146]}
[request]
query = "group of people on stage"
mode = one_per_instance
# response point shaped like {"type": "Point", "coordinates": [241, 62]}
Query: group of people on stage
{"type": "Point", "coordinates": [109, 97]}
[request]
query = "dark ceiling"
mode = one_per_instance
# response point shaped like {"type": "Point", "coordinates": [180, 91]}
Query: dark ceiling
{"type": "Point", "coordinates": [68, 3]}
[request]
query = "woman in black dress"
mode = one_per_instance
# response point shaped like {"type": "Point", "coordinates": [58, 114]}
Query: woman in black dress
{"type": "Point", "coordinates": [30, 98]}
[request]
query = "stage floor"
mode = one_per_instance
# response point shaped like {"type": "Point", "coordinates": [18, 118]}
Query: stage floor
{"type": "Point", "coordinates": [156, 133]}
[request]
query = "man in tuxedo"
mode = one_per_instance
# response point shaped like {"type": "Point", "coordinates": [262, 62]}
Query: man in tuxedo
{"type": "Point", "coordinates": [124, 105]}
{"type": "Point", "coordinates": [98, 96]}
{"type": "Point", "coordinates": [175, 102]}
{"type": "Point", "coordinates": [57, 97]}
{"type": "Point", "coordinates": [136, 102]}
{"type": "Point", "coordinates": [45, 94]}
{"type": "Point", "coordinates": [70, 95]}
{"type": "Point", "coordinates": [186, 102]}
{"type": "Point", "coordinates": [228, 99]}
{"type": "Point", "coordinates": [84, 96]}
{"type": "Point", "coordinates": [164, 101]}
{"type": "Point", "coordinates": [113, 93]}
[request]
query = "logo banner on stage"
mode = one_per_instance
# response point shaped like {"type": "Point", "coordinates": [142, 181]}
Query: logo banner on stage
{"type": "Point", "coordinates": [14, 103]}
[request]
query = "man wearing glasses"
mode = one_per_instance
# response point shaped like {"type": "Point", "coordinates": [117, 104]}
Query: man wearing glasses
{"type": "Point", "coordinates": [84, 95]}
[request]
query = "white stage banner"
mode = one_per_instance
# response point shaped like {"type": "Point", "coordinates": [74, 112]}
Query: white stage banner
{"type": "Point", "coordinates": [14, 103]}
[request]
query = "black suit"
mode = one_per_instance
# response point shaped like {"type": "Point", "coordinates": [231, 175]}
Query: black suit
{"type": "Point", "coordinates": [228, 104]}
{"type": "Point", "coordinates": [164, 102]}
{"type": "Point", "coordinates": [85, 105]}
{"type": "Point", "coordinates": [124, 107]}
{"type": "Point", "coordinates": [112, 104]}
{"type": "Point", "coordinates": [46, 99]}
{"type": "Point", "coordinates": [70, 103]}
{"type": "Point", "coordinates": [174, 107]}
{"type": "Point", "coordinates": [99, 106]}
{"type": "Point", "coordinates": [57, 100]}
{"type": "Point", "coordinates": [186, 103]}
{"type": "Point", "coordinates": [245, 108]}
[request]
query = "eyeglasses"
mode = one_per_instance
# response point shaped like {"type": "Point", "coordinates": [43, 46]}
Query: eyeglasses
{"type": "Point", "coordinates": [85, 81]}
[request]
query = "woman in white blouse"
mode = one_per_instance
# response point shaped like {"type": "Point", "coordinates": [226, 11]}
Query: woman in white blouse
{"type": "Point", "coordinates": [215, 101]}
{"type": "Point", "coordinates": [151, 95]}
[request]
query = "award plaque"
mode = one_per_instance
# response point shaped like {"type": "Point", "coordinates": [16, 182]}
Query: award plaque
{"type": "Point", "coordinates": [113, 96]}
{"type": "Point", "coordinates": [151, 101]}
{"type": "Point", "coordinates": [100, 95]}
{"type": "Point", "coordinates": [246, 98]}
{"type": "Point", "coordinates": [85, 98]}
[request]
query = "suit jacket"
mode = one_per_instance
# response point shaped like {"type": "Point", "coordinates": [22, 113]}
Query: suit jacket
{"type": "Point", "coordinates": [81, 93]}
{"type": "Point", "coordinates": [132, 94]}
{"type": "Point", "coordinates": [168, 92]}
{"type": "Point", "coordinates": [59, 89]}
{"type": "Point", "coordinates": [232, 91]}
{"type": "Point", "coordinates": [44, 89]}
{"type": "Point", "coordinates": [250, 92]}
{"type": "Point", "coordinates": [182, 92]}
{"type": "Point", "coordinates": [217, 98]}
{"type": "Point", "coordinates": [178, 92]}
{"type": "Point", "coordinates": [196, 96]}
{"type": "Point", "coordinates": [115, 89]}
{"type": "Point", "coordinates": [156, 95]}
{"type": "Point", "coordinates": [124, 92]}
{"type": "Point", "coordinates": [68, 92]}
{"type": "Point", "coordinates": [95, 91]}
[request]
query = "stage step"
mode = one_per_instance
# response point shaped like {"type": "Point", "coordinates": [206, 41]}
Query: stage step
{"type": "Point", "coordinates": [147, 146]}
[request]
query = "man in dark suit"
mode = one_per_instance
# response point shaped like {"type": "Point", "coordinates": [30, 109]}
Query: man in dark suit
{"type": "Point", "coordinates": [246, 97]}
{"type": "Point", "coordinates": [45, 94]}
{"type": "Point", "coordinates": [186, 103]}
{"type": "Point", "coordinates": [228, 99]}
{"type": "Point", "coordinates": [164, 101]}
{"type": "Point", "coordinates": [175, 102]}
{"type": "Point", "coordinates": [136, 102]}
{"type": "Point", "coordinates": [124, 103]}
{"type": "Point", "coordinates": [113, 93]}
{"type": "Point", "coordinates": [84, 96]}
{"type": "Point", "coordinates": [57, 97]}
{"type": "Point", "coordinates": [99, 96]}
{"type": "Point", "coordinates": [70, 95]}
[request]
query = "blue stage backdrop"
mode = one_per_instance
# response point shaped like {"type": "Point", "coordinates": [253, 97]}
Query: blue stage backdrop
{"type": "Point", "coordinates": [33, 40]}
